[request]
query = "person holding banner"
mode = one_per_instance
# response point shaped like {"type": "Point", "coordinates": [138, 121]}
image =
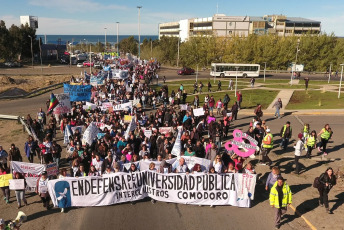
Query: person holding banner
{"type": "Point", "coordinates": [42, 189]}
{"type": "Point", "coordinates": [20, 194]}
{"type": "Point", "coordinates": [5, 190]}
{"type": "Point", "coordinates": [182, 167]}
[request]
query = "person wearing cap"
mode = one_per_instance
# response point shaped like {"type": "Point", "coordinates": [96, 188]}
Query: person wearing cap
{"type": "Point", "coordinates": [280, 199]}
{"type": "Point", "coordinates": [268, 144]}
{"type": "Point", "coordinates": [298, 150]}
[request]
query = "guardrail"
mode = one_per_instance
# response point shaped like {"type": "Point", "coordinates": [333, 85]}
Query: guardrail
{"type": "Point", "coordinates": [33, 92]}
{"type": "Point", "coordinates": [19, 119]}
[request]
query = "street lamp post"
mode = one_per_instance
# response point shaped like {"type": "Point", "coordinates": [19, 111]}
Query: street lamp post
{"type": "Point", "coordinates": [90, 62]}
{"type": "Point", "coordinates": [70, 55]}
{"type": "Point", "coordinates": [236, 80]}
{"type": "Point", "coordinates": [340, 83]}
{"type": "Point", "coordinates": [264, 70]}
{"type": "Point", "coordinates": [117, 39]}
{"type": "Point", "coordinates": [31, 50]}
{"type": "Point", "coordinates": [292, 70]}
{"type": "Point", "coordinates": [178, 52]}
{"type": "Point", "coordinates": [105, 38]}
{"type": "Point", "coordinates": [86, 44]}
{"type": "Point", "coordinates": [139, 7]}
{"type": "Point", "coordinates": [329, 74]}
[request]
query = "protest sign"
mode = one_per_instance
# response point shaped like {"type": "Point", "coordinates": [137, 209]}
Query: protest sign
{"type": "Point", "coordinates": [144, 164]}
{"type": "Point", "coordinates": [80, 128]}
{"type": "Point", "coordinates": [5, 180]}
{"type": "Point", "coordinates": [95, 81]}
{"type": "Point", "coordinates": [89, 106]}
{"type": "Point", "coordinates": [196, 189]}
{"type": "Point", "coordinates": [90, 133]}
{"type": "Point", "coordinates": [198, 112]}
{"type": "Point", "coordinates": [17, 184]}
{"type": "Point", "coordinates": [229, 114]}
{"type": "Point", "coordinates": [183, 107]}
{"type": "Point", "coordinates": [127, 118]}
{"type": "Point", "coordinates": [148, 133]}
{"type": "Point", "coordinates": [165, 130]}
{"type": "Point", "coordinates": [238, 143]}
{"type": "Point", "coordinates": [124, 106]}
{"type": "Point", "coordinates": [177, 147]}
{"type": "Point", "coordinates": [131, 127]}
{"type": "Point", "coordinates": [64, 105]}
{"type": "Point", "coordinates": [52, 169]}
{"type": "Point", "coordinates": [78, 92]}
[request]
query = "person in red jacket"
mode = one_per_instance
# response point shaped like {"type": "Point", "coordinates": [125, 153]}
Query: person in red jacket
{"type": "Point", "coordinates": [239, 98]}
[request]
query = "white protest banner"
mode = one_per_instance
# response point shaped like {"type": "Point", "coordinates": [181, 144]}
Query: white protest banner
{"type": "Point", "coordinates": [89, 106]}
{"type": "Point", "coordinates": [28, 169]}
{"type": "Point", "coordinates": [31, 184]}
{"type": "Point", "coordinates": [245, 186]}
{"type": "Point", "coordinates": [177, 147]}
{"type": "Point", "coordinates": [165, 130]}
{"type": "Point", "coordinates": [196, 189]}
{"type": "Point", "coordinates": [31, 173]}
{"type": "Point", "coordinates": [148, 133]}
{"type": "Point", "coordinates": [90, 133]}
{"type": "Point", "coordinates": [198, 112]}
{"type": "Point", "coordinates": [64, 105]}
{"type": "Point", "coordinates": [229, 114]}
{"type": "Point", "coordinates": [127, 165]}
{"type": "Point", "coordinates": [17, 184]}
{"type": "Point", "coordinates": [183, 107]}
{"type": "Point", "coordinates": [190, 161]}
{"type": "Point", "coordinates": [124, 106]}
{"type": "Point", "coordinates": [52, 169]}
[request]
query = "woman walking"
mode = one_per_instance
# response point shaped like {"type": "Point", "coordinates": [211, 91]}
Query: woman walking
{"type": "Point", "coordinates": [325, 135]}
{"type": "Point", "coordinates": [311, 143]}
{"type": "Point", "coordinates": [20, 194]}
{"type": "Point", "coordinates": [327, 181]}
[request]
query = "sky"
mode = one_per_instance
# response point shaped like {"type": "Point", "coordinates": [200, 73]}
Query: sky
{"type": "Point", "coordinates": [90, 17]}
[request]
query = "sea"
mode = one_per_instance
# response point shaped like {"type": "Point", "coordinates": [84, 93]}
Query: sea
{"type": "Point", "coordinates": [82, 39]}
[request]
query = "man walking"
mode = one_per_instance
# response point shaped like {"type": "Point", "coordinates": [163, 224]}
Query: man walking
{"type": "Point", "coordinates": [230, 85]}
{"type": "Point", "coordinates": [278, 106]}
{"type": "Point", "coordinates": [285, 134]}
{"type": "Point", "coordinates": [219, 86]}
{"type": "Point", "coordinates": [268, 144]}
{"type": "Point", "coordinates": [280, 199]}
{"type": "Point", "coordinates": [195, 87]}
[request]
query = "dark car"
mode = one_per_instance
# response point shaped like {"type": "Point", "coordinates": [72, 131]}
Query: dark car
{"type": "Point", "coordinates": [186, 71]}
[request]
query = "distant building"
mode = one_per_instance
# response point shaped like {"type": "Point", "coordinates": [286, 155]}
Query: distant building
{"type": "Point", "coordinates": [222, 25]}
{"type": "Point", "coordinates": [32, 21]}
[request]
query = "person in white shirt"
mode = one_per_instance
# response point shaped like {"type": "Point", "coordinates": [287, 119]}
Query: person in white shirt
{"type": "Point", "coordinates": [217, 164]}
{"type": "Point", "coordinates": [97, 163]}
{"type": "Point", "coordinates": [298, 149]}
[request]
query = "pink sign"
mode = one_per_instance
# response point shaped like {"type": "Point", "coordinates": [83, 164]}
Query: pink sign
{"type": "Point", "coordinates": [238, 142]}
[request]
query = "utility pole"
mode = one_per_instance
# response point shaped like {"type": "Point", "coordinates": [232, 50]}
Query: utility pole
{"type": "Point", "coordinates": [139, 7]}
{"type": "Point", "coordinates": [31, 50]}
{"type": "Point", "coordinates": [117, 39]}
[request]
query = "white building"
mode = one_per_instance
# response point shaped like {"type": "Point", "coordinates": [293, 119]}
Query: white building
{"type": "Point", "coordinates": [222, 25]}
{"type": "Point", "coordinates": [32, 21]}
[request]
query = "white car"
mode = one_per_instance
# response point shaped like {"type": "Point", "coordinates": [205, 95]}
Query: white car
{"type": "Point", "coordinates": [80, 65]}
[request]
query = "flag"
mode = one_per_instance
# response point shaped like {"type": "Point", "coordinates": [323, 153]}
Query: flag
{"type": "Point", "coordinates": [53, 103]}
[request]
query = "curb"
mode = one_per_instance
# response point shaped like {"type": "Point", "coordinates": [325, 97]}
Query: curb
{"type": "Point", "coordinates": [304, 218]}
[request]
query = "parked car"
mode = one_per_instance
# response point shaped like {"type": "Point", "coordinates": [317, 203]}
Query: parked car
{"type": "Point", "coordinates": [80, 65]}
{"type": "Point", "coordinates": [88, 64]}
{"type": "Point", "coordinates": [185, 71]}
{"type": "Point", "coordinates": [98, 65]}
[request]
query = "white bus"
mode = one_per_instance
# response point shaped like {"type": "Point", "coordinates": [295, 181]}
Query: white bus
{"type": "Point", "coordinates": [229, 70]}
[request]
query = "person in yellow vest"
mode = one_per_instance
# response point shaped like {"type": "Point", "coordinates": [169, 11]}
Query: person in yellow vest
{"type": "Point", "coordinates": [311, 143]}
{"type": "Point", "coordinates": [305, 132]}
{"type": "Point", "coordinates": [325, 135]}
{"type": "Point", "coordinates": [280, 199]}
{"type": "Point", "coordinates": [285, 134]}
{"type": "Point", "coordinates": [268, 144]}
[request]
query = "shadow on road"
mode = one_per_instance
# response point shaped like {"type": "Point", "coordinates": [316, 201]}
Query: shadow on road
{"type": "Point", "coordinates": [338, 201]}
{"type": "Point", "coordinates": [308, 205]}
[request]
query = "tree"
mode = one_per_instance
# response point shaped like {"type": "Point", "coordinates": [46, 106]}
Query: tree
{"type": "Point", "coordinates": [129, 45]}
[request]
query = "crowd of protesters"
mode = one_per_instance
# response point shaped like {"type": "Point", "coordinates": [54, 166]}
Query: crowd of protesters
{"type": "Point", "coordinates": [202, 136]}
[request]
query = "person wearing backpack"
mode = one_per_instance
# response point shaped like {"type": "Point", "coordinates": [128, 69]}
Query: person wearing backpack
{"type": "Point", "coordinates": [326, 181]}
